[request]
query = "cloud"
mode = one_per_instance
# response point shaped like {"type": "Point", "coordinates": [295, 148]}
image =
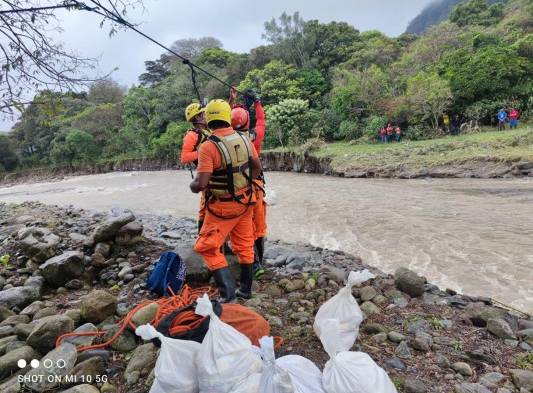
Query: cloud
{"type": "Point", "coordinates": [236, 23]}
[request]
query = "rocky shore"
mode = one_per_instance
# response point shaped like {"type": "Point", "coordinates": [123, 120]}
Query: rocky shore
{"type": "Point", "coordinates": [67, 269]}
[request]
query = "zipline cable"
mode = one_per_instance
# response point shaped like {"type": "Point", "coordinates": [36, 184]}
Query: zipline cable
{"type": "Point", "coordinates": [120, 20]}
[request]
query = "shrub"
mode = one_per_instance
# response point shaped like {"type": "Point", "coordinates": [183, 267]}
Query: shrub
{"type": "Point", "coordinates": [168, 144]}
{"type": "Point", "coordinates": [349, 130]}
{"type": "Point", "coordinates": [290, 122]}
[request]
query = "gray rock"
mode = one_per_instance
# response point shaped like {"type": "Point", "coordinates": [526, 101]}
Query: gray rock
{"type": "Point", "coordinates": [83, 340]}
{"type": "Point", "coordinates": [74, 314]}
{"type": "Point", "coordinates": [145, 315]}
{"type": "Point", "coordinates": [374, 328]}
{"type": "Point", "coordinates": [11, 385]}
{"type": "Point", "coordinates": [409, 282]}
{"type": "Point", "coordinates": [422, 342]}
{"type": "Point", "coordinates": [403, 351]}
{"type": "Point", "coordinates": [60, 362]}
{"type": "Point", "coordinates": [442, 360]}
{"type": "Point", "coordinates": [273, 290]}
{"type": "Point", "coordinates": [97, 305]}
{"type": "Point", "coordinates": [370, 308]}
{"type": "Point", "coordinates": [23, 330]}
{"type": "Point", "coordinates": [38, 244]}
{"type": "Point", "coordinates": [367, 293]}
{"type": "Point", "coordinates": [274, 320]}
{"type": "Point", "coordinates": [6, 331]}
{"type": "Point", "coordinates": [85, 388]}
{"type": "Point", "coordinates": [395, 363]}
{"type": "Point", "coordinates": [526, 335]}
{"type": "Point", "coordinates": [109, 228]}
{"type": "Point", "coordinates": [379, 338]}
{"type": "Point", "coordinates": [126, 342]}
{"type": "Point", "coordinates": [60, 269]}
{"type": "Point", "coordinates": [129, 234]}
{"type": "Point", "coordinates": [15, 320]}
{"type": "Point", "coordinates": [522, 378]}
{"type": "Point", "coordinates": [103, 249]}
{"type": "Point", "coordinates": [197, 270]}
{"type": "Point", "coordinates": [294, 285]}
{"type": "Point", "coordinates": [141, 363]}
{"type": "Point", "coordinates": [5, 341]}
{"type": "Point", "coordinates": [101, 353]}
{"type": "Point", "coordinates": [74, 284]}
{"type": "Point", "coordinates": [33, 308]}
{"type": "Point", "coordinates": [45, 312]}
{"type": "Point", "coordinates": [420, 325]}
{"type": "Point", "coordinates": [19, 297]}
{"type": "Point", "coordinates": [412, 385]}
{"type": "Point", "coordinates": [91, 367]}
{"type": "Point", "coordinates": [491, 380]}
{"type": "Point", "coordinates": [500, 328]}
{"type": "Point", "coordinates": [480, 313]}
{"type": "Point", "coordinates": [36, 282]}
{"type": "Point", "coordinates": [471, 388]}
{"type": "Point", "coordinates": [396, 337]}
{"type": "Point", "coordinates": [8, 362]}
{"type": "Point", "coordinates": [108, 388]}
{"type": "Point", "coordinates": [5, 312]}
{"type": "Point", "coordinates": [44, 334]}
{"type": "Point", "coordinates": [463, 368]}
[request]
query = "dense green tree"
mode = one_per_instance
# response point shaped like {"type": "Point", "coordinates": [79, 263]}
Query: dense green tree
{"type": "Point", "coordinates": [290, 122]}
{"type": "Point", "coordinates": [106, 91]}
{"type": "Point", "coordinates": [476, 12]}
{"type": "Point", "coordinates": [74, 146]}
{"type": "Point", "coordinates": [429, 96]}
{"type": "Point", "coordinates": [8, 156]}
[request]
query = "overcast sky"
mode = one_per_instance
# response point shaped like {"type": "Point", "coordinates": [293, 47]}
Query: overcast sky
{"type": "Point", "coordinates": [236, 23]}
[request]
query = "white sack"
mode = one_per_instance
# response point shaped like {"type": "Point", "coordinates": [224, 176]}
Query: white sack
{"type": "Point", "coordinates": [306, 376]}
{"type": "Point", "coordinates": [226, 357]}
{"type": "Point", "coordinates": [273, 379]}
{"type": "Point", "coordinates": [175, 369]}
{"type": "Point", "coordinates": [350, 372]}
{"type": "Point", "coordinates": [345, 309]}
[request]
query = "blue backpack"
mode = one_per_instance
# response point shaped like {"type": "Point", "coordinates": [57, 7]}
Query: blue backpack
{"type": "Point", "coordinates": [169, 273]}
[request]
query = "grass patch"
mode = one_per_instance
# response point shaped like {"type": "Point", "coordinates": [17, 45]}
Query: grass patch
{"type": "Point", "coordinates": [496, 146]}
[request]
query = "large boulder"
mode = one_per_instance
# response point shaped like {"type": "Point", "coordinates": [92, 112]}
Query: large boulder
{"type": "Point", "coordinates": [97, 306]}
{"type": "Point", "coordinates": [108, 229]}
{"type": "Point", "coordinates": [47, 330]}
{"type": "Point", "coordinates": [197, 270]}
{"type": "Point", "coordinates": [53, 368]}
{"type": "Point", "coordinates": [500, 328]}
{"type": "Point", "coordinates": [409, 282]}
{"type": "Point", "coordinates": [19, 297]}
{"type": "Point", "coordinates": [9, 362]}
{"type": "Point", "coordinates": [480, 313]}
{"type": "Point", "coordinates": [38, 244]}
{"type": "Point", "coordinates": [129, 234]}
{"type": "Point", "coordinates": [58, 270]}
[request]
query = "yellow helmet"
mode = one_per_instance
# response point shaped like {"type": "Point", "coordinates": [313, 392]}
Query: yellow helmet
{"type": "Point", "coordinates": [193, 110]}
{"type": "Point", "coordinates": [218, 110]}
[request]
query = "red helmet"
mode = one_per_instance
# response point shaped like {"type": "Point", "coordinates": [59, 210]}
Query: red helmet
{"type": "Point", "coordinates": [240, 119]}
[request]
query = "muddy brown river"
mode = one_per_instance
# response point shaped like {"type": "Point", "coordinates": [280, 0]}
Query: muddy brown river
{"type": "Point", "coordinates": [475, 236]}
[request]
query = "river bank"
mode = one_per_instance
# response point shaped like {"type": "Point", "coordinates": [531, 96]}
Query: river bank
{"type": "Point", "coordinates": [426, 338]}
{"type": "Point", "coordinates": [482, 155]}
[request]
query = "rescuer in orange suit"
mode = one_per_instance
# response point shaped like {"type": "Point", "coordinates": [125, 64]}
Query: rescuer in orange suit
{"type": "Point", "coordinates": [240, 121]}
{"type": "Point", "coordinates": [227, 163]}
{"type": "Point", "coordinates": [193, 138]}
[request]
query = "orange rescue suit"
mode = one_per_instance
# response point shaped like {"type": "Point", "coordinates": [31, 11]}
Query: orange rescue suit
{"type": "Point", "coordinates": [225, 217]}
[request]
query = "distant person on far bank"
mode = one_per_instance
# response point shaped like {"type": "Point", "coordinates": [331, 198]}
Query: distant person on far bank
{"type": "Point", "coordinates": [455, 125]}
{"type": "Point", "coordinates": [390, 131]}
{"type": "Point", "coordinates": [383, 135]}
{"type": "Point", "coordinates": [514, 115]}
{"type": "Point", "coordinates": [398, 132]}
{"type": "Point", "coordinates": [502, 119]}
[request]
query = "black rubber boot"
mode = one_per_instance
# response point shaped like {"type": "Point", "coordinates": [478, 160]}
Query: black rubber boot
{"type": "Point", "coordinates": [259, 250]}
{"type": "Point", "coordinates": [225, 284]}
{"type": "Point", "coordinates": [200, 225]}
{"type": "Point", "coordinates": [247, 278]}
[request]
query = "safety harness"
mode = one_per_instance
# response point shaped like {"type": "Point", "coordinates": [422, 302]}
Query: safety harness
{"type": "Point", "coordinates": [235, 173]}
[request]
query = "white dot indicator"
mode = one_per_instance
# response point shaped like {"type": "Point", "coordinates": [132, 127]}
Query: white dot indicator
{"type": "Point", "coordinates": [34, 363]}
{"type": "Point", "coordinates": [21, 363]}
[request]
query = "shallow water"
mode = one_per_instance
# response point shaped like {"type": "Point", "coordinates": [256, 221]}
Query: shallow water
{"type": "Point", "coordinates": [475, 236]}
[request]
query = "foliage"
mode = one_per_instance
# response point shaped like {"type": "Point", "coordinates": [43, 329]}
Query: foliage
{"type": "Point", "coordinates": [168, 144]}
{"type": "Point", "coordinates": [289, 122]}
{"type": "Point", "coordinates": [349, 130]}
{"type": "Point", "coordinates": [73, 147]}
{"type": "Point", "coordinates": [429, 96]}
{"type": "Point", "coordinates": [8, 157]}
{"type": "Point", "coordinates": [476, 12]}
{"type": "Point", "coordinates": [106, 91]}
